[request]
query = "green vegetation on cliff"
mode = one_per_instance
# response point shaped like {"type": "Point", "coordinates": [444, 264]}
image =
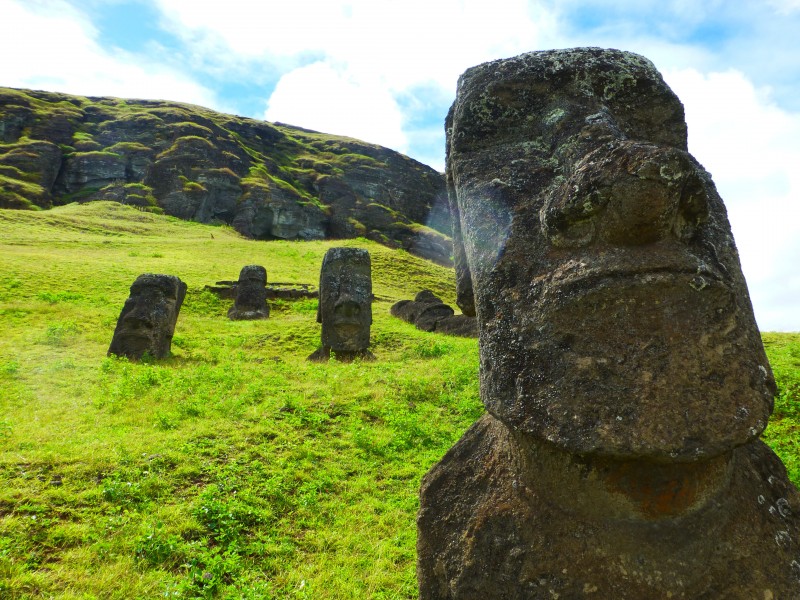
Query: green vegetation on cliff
{"type": "Point", "coordinates": [268, 181]}
{"type": "Point", "coordinates": [235, 468]}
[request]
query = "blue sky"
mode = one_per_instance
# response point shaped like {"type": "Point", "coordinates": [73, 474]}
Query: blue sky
{"type": "Point", "coordinates": [385, 71]}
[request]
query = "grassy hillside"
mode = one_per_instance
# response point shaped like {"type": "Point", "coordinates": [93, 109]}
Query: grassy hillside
{"type": "Point", "coordinates": [235, 468]}
{"type": "Point", "coordinates": [267, 180]}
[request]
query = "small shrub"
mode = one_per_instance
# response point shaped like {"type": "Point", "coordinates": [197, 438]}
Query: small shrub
{"type": "Point", "coordinates": [9, 368]}
{"type": "Point", "coordinates": [55, 297]}
{"type": "Point", "coordinates": [124, 493]}
{"type": "Point", "coordinates": [431, 348]}
{"type": "Point", "coordinates": [60, 334]}
{"type": "Point", "coordinates": [165, 421]}
{"type": "Point", "coordinates": [156, 547]}
{"type": "Point", "coordinates": [216, 515]}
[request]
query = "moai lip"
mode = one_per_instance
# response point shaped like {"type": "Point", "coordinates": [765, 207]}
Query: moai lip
{"type": "Point", "coordinates": [147, 321]}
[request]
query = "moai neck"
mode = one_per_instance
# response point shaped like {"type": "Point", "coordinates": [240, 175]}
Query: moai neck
{"type": "Point", "coordinates": [605, 488]}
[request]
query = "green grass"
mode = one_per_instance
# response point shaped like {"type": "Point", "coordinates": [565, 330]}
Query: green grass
{"type": "Point", "coordinates": [783, 432]}
{"type": "Point", "coordinates": [233, 469]}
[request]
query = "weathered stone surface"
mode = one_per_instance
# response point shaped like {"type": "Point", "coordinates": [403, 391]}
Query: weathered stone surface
{"type": "Point", "coordinates": [267, 211]}
{"type": "Point", "coordinates": [83, 170]}
{"type": "Point", "coordinates": [409, 310]}
{"type": "Point", "coordinates": [458, 325]}
{"type": "Point", "coordinates": [604, 261]}
{"type": "Point", "coordinates": [428, 313]}
{"type": "Point", "coordinates": [251, 295]}
{"type": "Point", "coordinates": [147, 321]}
{"type": "Point", "coordinates": [345, 304]}
{"type": "Point", "coordinates": [525, 520]}
{"type": "Point", "coordinates": [427, 297]}
{"type": "Point", "coordinates": [36, 161]}
{"type": "Point", "coordinates": [269, 181]}
{"type": "Point", "coordinates": [431, 314]}
{"type": "Point", "coordinates": [621, 366]}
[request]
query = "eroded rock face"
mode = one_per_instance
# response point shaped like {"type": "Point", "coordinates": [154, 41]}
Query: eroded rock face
{"type": "Point", "coordinates": [621, 366]}
{"type": "Point", "coordinates": [268, 181]}
{"type": "Point", "coordinates": [251, 295]}
{"type": "Point", "coordinates": [517, 519]}
{"type": "Point", "coordinates": [345, 304]}
{"type": "Point", "coordinates": [147, 321]}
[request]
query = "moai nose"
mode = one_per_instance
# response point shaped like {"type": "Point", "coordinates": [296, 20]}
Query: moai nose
{"type": "Point", "coordinates": [657, 196]}
{"type": "Point", "coordinates": [346, 306]}
{"type": "Point", "coordinates": [629, 195]}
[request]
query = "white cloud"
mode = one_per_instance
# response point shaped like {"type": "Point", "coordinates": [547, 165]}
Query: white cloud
{"type": "Point", "coordinates": [327, 99]}
{"type": "Point", "coordinates": [750, 147]}
{"type": "Point", "coordinates": [366, 55]}
{"type": "Point", "coordinates": [370, 68]}
{"type": "Point", "coordinates": [50, 45]}
{"type": "Point", "coordinates": [400, 43]}
{"type": "Point", "coordinates": [785, 7]}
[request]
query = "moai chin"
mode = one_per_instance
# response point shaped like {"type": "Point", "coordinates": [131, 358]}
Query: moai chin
{"type": "Point", "coordinates": [251, 295]}
{"type": "Point", "coordinates": [622, 371]}
{"type": "Point", "coordinates": [345, 304]}
{"type": "Point", "coordinates": [147, 321]}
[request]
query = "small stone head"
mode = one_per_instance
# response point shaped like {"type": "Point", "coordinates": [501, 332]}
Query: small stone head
{"type": "Point", "coordinates": [147, 321]}
{"type": "Point", "coordinates": [345, 299]}
{"type": "Point", "coordinates": [253, 274]}
{"type": "Point", "coordinates": [613, 314]}
{"type": "Point", "coordinates": [251, 294]}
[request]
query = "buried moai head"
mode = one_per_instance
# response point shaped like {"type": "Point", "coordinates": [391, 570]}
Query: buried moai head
{"type": "Point", "coordinates": [613, 314]}
{"type": "Point", "coordinates": [345, 299]}
{"type": "Point", "coordinates": [147, 321]}
{"type": "Point", "coordinates": [251, 294]}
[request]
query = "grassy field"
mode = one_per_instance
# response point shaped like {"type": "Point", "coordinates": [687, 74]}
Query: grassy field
{"type": "Point", "coordinates": [235, 468]}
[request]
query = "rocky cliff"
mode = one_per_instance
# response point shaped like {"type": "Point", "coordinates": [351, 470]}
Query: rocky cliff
{"type": "Point", "coordinates": [267, 180]}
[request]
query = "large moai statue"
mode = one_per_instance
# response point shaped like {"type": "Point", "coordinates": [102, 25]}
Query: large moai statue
{"type": "Point", "coordinates": [251, 295]}
{"type": "Point", "coordinates": [623, 374]}
{"type": "Point", "coordinates": [345, 304]}
{"type": "Point", "coordinates": [147, 321]}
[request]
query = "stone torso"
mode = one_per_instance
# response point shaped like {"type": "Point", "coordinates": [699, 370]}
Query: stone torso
{"type": "Point", "coordinates": [538, 534]}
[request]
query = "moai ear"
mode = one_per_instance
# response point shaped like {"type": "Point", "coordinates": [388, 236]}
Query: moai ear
{"type": "Point", "coordinates": [465, 297]}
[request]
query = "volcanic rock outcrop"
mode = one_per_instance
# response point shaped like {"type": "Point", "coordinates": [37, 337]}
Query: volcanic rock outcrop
{"type": "Point", "coordinates": [623, 375]}
{"type": "Point", "coordinates": [428, 313]}
{"type": "Point", "coordinates": [267, 180]}
{"type": "Point", "coordinates": [251, 295]}
{"type": "Point", "coordinates": [147, 321]}
{"type": "Point", "coordinates": [345, 305]}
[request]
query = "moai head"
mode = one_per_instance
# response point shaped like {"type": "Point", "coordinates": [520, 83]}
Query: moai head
{"type": "Point", "coordinates": [251, 294]}
{"type": "Point", "coordinates": [147, 321]}
{"type": "Point", "coordinates": [614, 318]}
{"type": "Point", "coordinates": [345, 299]}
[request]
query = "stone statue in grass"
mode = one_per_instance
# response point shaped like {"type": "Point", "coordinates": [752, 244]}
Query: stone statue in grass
{"type": "Point", "coordinates": [623, 374]}
{"type": "Point", "coordinates": [345, 305]}
{"type": "Point", "coordinates": [428, 313]}
{"type": "Point", "coordinates": [147, 321]}
{"type": "Point", "coordinates": [251, 295]}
